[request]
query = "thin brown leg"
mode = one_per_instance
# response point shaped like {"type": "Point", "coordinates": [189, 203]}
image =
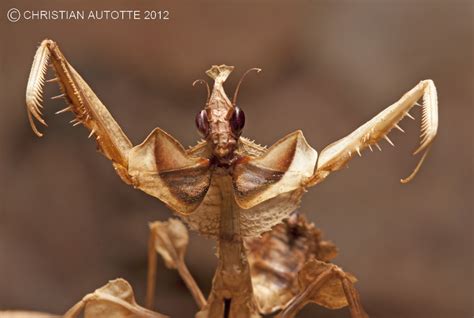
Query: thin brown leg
{"type": "Point", "coordinates": [323, 280]}
{"type": "Point", "coordinates": [302, 299]}
{"type": "Point", "coordinates": [151, 275]}
{"type": "Point", "coordinates": [170, 239]}
{"type": "Point", "coordinates": [355, 305]}
{"type": "Point", "coordinates": [191, 284]}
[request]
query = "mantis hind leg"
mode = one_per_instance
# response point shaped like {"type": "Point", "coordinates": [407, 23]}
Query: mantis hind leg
{"type": "Point", "coordinates": [325, 283]}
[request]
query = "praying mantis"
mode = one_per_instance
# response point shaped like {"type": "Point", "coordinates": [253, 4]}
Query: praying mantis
{"type": "Point", "coordinates": [231, 189]}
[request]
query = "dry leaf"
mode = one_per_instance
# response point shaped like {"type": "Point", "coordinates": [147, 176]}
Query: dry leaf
{"type": "Point", "coordinates": [114, 300]}
{"type": "Point", "coordinates": [276, 258]}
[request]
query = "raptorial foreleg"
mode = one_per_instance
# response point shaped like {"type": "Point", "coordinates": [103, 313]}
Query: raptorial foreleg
{"type": "Point", "coordinates": [336, 155]}
{"type": "Point", "coordinates": [88, 110]}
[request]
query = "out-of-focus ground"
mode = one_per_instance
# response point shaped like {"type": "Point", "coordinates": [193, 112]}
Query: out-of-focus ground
{"type": "Point", "coordinates": [68, 224]}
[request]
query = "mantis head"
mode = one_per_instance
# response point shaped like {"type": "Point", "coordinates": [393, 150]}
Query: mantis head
{"type": "Point", "coordinates": [221, 121]}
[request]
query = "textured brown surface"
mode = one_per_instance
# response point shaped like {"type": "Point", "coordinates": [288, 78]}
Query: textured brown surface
{"type": "Point", "coordinates": [278, 256]}
{"type": "Point", "coordinates": [68, 224]}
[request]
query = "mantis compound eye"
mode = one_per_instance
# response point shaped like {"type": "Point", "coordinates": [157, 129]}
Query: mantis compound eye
{"type": "Point", "coordinates": [237, 120]}
{"type": "Point", "coordinates": [202, 122]}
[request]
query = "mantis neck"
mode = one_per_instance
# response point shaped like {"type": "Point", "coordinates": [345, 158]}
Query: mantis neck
{"type": "Point", "coordinates": [231, 254]}
{"type": "Point", "coordinates": [232, 293]}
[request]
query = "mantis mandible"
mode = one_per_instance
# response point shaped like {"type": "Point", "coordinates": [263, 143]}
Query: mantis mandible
{"type": "Point", "coordinates": [226, 187]}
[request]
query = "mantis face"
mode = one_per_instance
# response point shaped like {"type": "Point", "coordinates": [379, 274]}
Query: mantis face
{"type": "Point", "coordinates": [221, 125]}
{"type": "Point", "coordinates": [221, 122]}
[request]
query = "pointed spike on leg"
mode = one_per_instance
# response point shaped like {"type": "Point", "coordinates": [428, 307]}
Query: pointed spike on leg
{"type": "Point", "coordinates": [69, 108]}
{"type": "Point", "coordinates": [388, 140]}
{"type": "Point", "coordinates": [399, 128]}
{"type": "Point", "coordinates": [56, 79]}
{"type": "Point", "coordinates": [58, 96]}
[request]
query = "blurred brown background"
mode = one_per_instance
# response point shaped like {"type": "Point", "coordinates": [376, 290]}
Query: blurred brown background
{"type": "Point", "coordinates": [68, 224]}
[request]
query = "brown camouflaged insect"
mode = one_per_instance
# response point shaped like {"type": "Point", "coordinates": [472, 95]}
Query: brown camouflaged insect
{"type": "Point", "coordinates": [233, 190]}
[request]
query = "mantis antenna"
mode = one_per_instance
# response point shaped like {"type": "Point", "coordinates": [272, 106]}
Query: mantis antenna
{"type": "Point", "coordinates": [201, 81]}
{"type": "Point", "coordinates": [234, 99]}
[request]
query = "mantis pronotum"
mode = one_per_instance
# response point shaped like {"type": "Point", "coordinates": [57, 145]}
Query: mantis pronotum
{"type": "Point", "coordinates": [228, 187]}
